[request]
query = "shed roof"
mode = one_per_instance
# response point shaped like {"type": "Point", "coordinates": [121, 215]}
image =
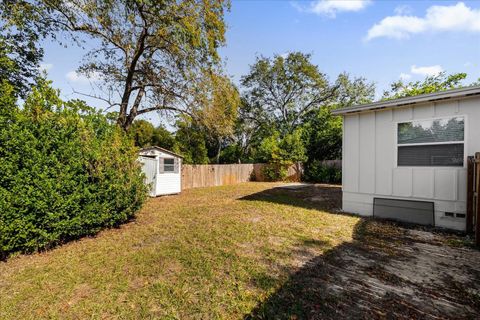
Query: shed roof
{"type": "Point", "coordinates": [162, 150]}
{"type": "Point", "coordinates": [402, 102]}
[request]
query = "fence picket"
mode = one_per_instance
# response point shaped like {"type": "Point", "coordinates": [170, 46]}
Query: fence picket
{"type": "Point", "coordinates": [470, 193]}
{"type": "Point", "coordinates": [210, 175]}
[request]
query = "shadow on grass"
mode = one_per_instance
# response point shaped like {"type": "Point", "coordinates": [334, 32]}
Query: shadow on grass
{"type": "Point", "coordinates": [319, 197]}
{"type": "Point", "coordinates": [387, 271]}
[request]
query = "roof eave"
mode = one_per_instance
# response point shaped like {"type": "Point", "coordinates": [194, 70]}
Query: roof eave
{"type": "Point", "coordinates": [163, 150]}
{"type": "Point", "coordinates": [403, 102]}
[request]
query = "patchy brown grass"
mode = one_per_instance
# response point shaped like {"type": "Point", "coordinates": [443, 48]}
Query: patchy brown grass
{"type": "Point", "coordinates": [246, 251]}
{"type": "Point", "coordinates": [203, 254]}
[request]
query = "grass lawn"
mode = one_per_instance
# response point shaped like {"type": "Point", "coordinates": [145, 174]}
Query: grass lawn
{"type": "Point", "coordinates": [227, 252]}
{"type": "Point", "coordinates": [204, 253]}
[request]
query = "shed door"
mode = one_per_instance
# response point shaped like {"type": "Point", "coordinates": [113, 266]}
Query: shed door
{"type": "Point", "coordinates": [419, 212]}
{"type": "Point", "coordinates": [149, 168]}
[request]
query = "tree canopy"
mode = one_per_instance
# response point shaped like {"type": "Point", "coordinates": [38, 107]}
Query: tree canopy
{"type": "Point", "coordinates": [20, 53]}
{"type": "Point", "coordinates": [285, 113]}
{"type": "Point", "coordinates": [162, 56]}
{"type": "Point", "coordinates": [280, 91]}
{"type": "Point", "coordinates": [148, 55]}
{"type": "Point", "coordinates": [219, 110]}
{"type": "Point", "coordinates": [430, 84]}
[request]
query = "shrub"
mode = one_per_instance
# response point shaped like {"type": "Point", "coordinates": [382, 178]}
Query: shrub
{"type": "Point", "coordinates": [280, 153]}
{"type": "Point", "coordinates": [66, 171]}
{"type": "Point", "coordinates": [275, 172]}
{"type": "Point", "coordinates": [316, 171]}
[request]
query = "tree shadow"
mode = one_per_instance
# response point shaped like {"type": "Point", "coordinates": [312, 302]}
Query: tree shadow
{"type": "Point", "coordinates": [309, 196]}
{"type": "Point", "coordinates": [386, 272]}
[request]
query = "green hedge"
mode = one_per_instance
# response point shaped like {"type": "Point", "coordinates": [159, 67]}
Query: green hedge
{"type": "Point", "coordinates": [275, 172]}
{"type": "Point", "coordinates": [316, 171]}
{"type": "Point", "coordinates": [66, 172]}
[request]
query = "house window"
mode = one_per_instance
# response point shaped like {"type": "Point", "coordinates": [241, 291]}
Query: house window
{"type": "Point", "coordinates": [431, 143]}
{"type": "Point", "coordinates": [168, 165]}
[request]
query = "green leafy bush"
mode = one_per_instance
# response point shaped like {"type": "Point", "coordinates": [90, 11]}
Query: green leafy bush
{"type": "Point", "coordinates": [65, 170]}
{"type": "Point", "coordinates": [316, 171]}
{"type": "Point", "coordinates": [280, 153]}
{"type": "Point", "coordinates": [275, 172]}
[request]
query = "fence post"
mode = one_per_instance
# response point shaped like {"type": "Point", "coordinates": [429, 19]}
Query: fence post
{"type": "Point", "coordinates": [470, 193]}
{"type": "Point", "coordinates": [477, 202]}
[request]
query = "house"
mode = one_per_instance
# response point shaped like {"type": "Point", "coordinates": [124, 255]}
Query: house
{"type": "Point", "coordinates": [163, 170]}
{"type": "Point", "coordinates": [406, 159]}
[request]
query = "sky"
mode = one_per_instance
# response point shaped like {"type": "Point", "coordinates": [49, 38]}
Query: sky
{"type": "Point", "coordinates": [383, 41]}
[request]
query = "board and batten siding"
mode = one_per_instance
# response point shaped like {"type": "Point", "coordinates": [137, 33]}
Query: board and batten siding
{"type": "Point", "coordinates": [369, 161]}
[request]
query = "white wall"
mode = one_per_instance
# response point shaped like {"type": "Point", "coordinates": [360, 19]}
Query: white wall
{"type": "Point", "coordinates": [170, 182]}
{"type": "Point", "coordinates": [369, 161]}
{"type": "Point", "coordinates": [166, 182]}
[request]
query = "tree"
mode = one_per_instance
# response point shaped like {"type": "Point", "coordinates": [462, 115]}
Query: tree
{"type": "Point", "coordinates": [220, 101]}
{"type": "Point", "coordinates": [353, 91]}
{"type": "Point", "coordinates": [190, 142]}
{"type": "Point", "coordinates": [280, 91]}
{"type": "Point", "coordinates": [280, 153]}
{"type": "Point", "coordinates": [163, 138]}
{"type": "Point", "coordinates": [322, 130]}
{"type": "Point", "coordinates": [263, 112]}
{"type": "Point", "coordinates": [149, 55]}
{"type": "Point", "coordinates": [430, 84]}
{"type": "Point", "coordinates": [323, 135]}
{"type": "Point", "coordinates": [20, 54]}
{"type": "Point", "coordinates": [142, 133]}
{"type": "Point", "coordinates": [249, 130]}
{"type": "Point", "coordinates": [145, 135]}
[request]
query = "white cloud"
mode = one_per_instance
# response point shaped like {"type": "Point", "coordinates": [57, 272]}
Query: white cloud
{"type": "Point", "coordinates": [76, 77]}
{"type": "Point", "coordinates": [405, 76]}
{"type": "Point", "coordinates": [45, 66]}
{"type": "Point", "coordinates": [330, 8]}
{"type": "Point", "coordinates": [403, 10]}
{"type": "Point", "coordinates": [427, 70]}
{"type": "Point", "coordinates": [396, 27]}
{"type": "Point", "coordinates": [457, 17]}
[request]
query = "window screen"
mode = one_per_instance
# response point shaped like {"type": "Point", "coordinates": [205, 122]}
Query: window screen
{"type": "Point", "coordinates": [438, 142]}
{"type": "Point", "coordinates": [168, 165]}
{"type": "Point", "coordinates": [431, 155]}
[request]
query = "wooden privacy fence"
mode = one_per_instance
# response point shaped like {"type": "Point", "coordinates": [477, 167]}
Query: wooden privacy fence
{"type": "Point", "coordinates": [473, 202]}
{"type": "Point", "coordinates": [211, 175]}
{"type": "Point", "coordinates": [332, 163]}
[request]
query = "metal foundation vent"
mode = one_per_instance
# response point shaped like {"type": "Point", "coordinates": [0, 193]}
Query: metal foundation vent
{"type": "Point", "coordinates": [419, 212]}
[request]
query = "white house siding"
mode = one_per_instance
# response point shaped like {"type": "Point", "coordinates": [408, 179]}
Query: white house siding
{"type": "Point", "coordinates": [369, 161]}
{"type": "Point", "coordinates": [165, 183]}
{"type": "Point", "coordinates": [169, 183]}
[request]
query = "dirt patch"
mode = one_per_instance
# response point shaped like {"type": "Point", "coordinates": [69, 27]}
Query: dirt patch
{"type": "Point", "coordinates": [82, 291]}
{"type": "Point", "coordinates": [307, 195]}
{"type": "Point", "coordinates": [251, 250]}
{"type": "Point", "coordinates": [389, 271]}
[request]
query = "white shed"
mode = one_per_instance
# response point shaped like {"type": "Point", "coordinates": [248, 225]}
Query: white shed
{"type": "Point", "coordinates": [405, 159]}
{"type": "Point", "coordinates": [163, 170]}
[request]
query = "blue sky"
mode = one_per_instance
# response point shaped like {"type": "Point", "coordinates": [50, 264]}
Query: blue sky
{"type": "Point", "coordinates": [379, 40]}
